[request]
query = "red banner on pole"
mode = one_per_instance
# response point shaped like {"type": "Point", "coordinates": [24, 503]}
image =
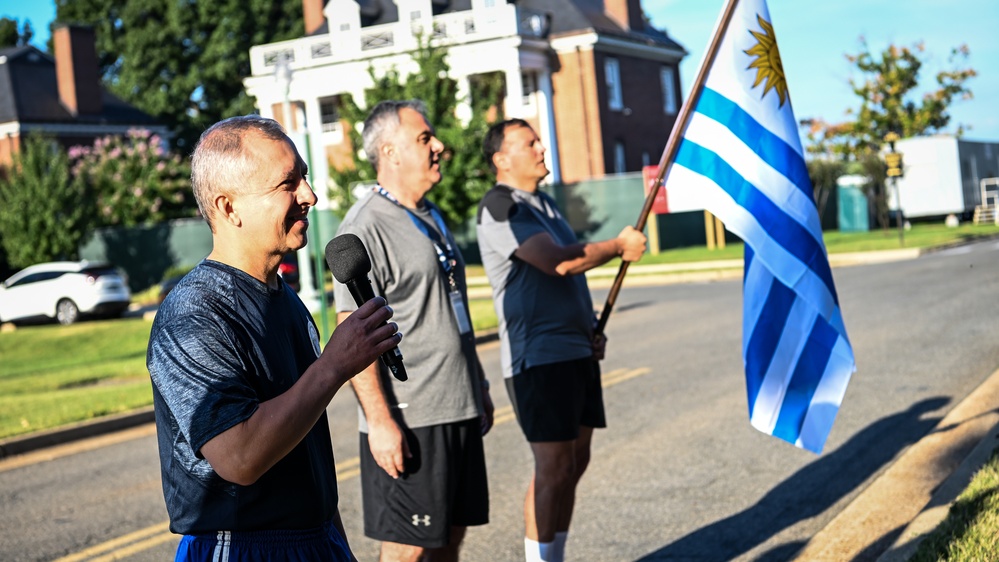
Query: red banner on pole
{"type": "Point", "coordinates": [660, 205]}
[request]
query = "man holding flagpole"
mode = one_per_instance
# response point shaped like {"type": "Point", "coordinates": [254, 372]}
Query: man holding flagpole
{"type": "Point", "coordinates": [549, 350]}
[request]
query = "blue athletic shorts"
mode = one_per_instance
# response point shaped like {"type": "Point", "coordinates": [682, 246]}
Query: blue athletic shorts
{"type": "Point", "coordinates": [321, 544]}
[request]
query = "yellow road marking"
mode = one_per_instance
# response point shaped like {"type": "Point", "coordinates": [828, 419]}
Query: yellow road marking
{"type": "Point", "coordinates": [130, 544]}
{"type": "Point", "coordinates": [158, 529]}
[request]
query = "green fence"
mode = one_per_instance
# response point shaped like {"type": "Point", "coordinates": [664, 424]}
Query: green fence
{"type": "Point", "coordinates": [596, 209]}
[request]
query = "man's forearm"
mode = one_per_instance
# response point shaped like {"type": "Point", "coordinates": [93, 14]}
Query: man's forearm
{"type": "Point", "coordinates": [592, 255]}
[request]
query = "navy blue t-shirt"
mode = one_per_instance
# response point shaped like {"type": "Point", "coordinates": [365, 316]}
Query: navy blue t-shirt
{"type": "Point", "coordinates": [222, 343]}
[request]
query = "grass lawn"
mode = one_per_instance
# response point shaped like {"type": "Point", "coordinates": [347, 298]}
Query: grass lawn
{"type": "Point", "coordinates": [54, 375]}
{"type": "Point", "coordinates": [970, 533]}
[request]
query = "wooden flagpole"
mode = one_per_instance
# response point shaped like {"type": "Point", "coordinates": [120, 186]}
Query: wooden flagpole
{"type": "Point", "coordinates": [669, 153]}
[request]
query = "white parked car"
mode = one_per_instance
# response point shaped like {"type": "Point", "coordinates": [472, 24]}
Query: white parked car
{"type": "Point", "coordinates": [64, 291]}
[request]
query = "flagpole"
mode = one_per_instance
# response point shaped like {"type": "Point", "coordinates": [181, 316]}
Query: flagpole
{"type": "Point", "coordinates": [669, 153]}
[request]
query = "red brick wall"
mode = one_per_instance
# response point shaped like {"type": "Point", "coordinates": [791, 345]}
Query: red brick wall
{"type": "Point", "coordinates": [577, 117]}
{"type": "Point", "coordinates": [643, 125]}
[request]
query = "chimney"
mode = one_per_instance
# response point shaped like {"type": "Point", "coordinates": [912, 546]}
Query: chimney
{"type": "Point", "coordinates": [313, 12]}
{"type": "Point", "coordinates": [76, 70]}
{"type": "Point", "coordinates": [627, 13]}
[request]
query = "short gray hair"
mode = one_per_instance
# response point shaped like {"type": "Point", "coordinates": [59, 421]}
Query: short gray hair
{"type": "Point", "coordinates": [218, 161]}
{"type": "Point", "coordinates": [384, 120]}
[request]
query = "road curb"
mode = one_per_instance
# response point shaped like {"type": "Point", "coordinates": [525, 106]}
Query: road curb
{"type": "Point", "coordinates": [75, 432]}
{"type": "Point", "coordinates": [939, 506]}
{"type": "Point", "coordinates": [918, 486]}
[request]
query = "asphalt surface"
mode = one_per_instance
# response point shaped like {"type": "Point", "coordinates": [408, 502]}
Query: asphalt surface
{"type": "Point", "coordinates": [908, 500]}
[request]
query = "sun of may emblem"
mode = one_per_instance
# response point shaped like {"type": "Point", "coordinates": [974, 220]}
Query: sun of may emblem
{"type": "Point", "coordinates": [767, 63]}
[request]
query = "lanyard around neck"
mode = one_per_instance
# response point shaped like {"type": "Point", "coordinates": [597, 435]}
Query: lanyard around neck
{"type": "Point", "coordinates": [445, 253]}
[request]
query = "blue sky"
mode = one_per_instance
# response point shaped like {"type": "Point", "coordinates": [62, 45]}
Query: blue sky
{"type": "Point", "coordinates": [813, 38]}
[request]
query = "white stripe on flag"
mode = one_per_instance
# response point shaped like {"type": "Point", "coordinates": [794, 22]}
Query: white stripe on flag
{"type": "Point", "coordinates": [741, 159]}
{"type": "Point", "coordinates": [709, 133]}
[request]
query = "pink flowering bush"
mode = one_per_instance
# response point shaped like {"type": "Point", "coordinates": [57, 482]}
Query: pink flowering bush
{"type": "Point", "coordinates": [134, 181]}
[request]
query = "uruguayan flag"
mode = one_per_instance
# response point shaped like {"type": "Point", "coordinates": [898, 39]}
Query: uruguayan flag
{"type": "Point", "coordinates": [741, 159]}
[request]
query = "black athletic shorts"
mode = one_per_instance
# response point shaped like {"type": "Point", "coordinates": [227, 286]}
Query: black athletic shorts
{"type": "Point", "coordinates": [552, 401]}
{"type": "Point", "coordinates": [444, 485]}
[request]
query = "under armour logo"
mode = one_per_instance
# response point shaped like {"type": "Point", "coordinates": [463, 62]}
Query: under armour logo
{"type": "Point", "coordinates": [417, 520]}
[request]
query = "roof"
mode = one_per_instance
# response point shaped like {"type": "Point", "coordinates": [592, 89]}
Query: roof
{"type": "Point", "coordinates": [29, 93]}
{"type": "Point", "coordinates": [568, 17]}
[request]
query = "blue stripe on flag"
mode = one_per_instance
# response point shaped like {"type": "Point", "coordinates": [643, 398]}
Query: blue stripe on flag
{"type": "Point", "coordinates": [768, 146]}
{"type": "Point", "coordinates": [807, 374]}
{"type": "Point", "coordinates": [766, 336]}
{"type": "Point", "coordinates": [786, 231]}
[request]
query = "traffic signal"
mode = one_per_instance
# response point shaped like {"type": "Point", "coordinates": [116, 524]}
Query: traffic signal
{"type": "Point", "coordinates": [894, 161]}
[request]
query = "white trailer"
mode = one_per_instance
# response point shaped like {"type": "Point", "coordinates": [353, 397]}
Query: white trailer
{"type": "Point", "coordinates": [942, 175]}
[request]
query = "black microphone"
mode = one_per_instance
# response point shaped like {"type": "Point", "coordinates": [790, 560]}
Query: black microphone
{"type": "Point", "coordinates": [349, 262]}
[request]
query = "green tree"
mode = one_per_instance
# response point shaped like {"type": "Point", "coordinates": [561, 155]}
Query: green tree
{"type": "Point", "coordinates": [12, 34]}
{"type": "Point", "coordinates": [890, 101]}
{"type": "Point", "coordinates": [464, 170]}
{"type": "Point", "coordinates": [824, 172]}
{"type": "Point", "coordinates": [133, 180]}
{"type": "Point", "coordinates": [44, 211]}
{"type": "Point", "coordinates": [183, 62]}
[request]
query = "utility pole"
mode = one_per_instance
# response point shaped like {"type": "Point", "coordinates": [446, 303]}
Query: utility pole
{"type": "Point", "coordinates": [894, 161]}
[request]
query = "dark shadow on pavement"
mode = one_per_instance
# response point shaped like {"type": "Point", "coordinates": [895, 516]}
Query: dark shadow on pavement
{"type": "Point", "coordinates": [808, 492]}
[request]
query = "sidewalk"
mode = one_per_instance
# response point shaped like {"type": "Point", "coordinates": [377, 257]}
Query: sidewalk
{"type": "Point", "coordinates": [887, 519]}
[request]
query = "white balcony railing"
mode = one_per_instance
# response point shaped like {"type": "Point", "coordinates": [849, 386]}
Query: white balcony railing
{"type": "Point", "coordinates": [505, 20]}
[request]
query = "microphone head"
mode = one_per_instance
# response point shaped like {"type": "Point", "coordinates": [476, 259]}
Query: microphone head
{"type": "Point", "coordinates": [347, 258]}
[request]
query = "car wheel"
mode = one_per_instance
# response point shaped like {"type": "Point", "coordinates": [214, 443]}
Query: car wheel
{"type": "Point", "coordinates": [67, 312]}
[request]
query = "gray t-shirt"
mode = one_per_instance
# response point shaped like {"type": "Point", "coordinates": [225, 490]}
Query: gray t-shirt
{"type": "Point", "coordinates": [443, 385]}
{"type": "Point", "coordinates": [542, 318]}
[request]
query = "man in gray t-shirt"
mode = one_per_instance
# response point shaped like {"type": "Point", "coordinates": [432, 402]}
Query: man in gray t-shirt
{"type": "Point", "coordinates": [535, 266]}
{"type": "Point", "coordinates": [422, 461]}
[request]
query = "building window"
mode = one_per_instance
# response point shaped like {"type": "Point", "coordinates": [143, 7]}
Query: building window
{"type": "Point", "coordinates": [667, 76]}
{"type": "Point", "coordinates": [612, 74]}
{"type": "Point", "coordinates": [329, 114]}
{"type": "Point", "coordinates": [529, 85]}
{"type": "Point", "coordinates": [619, 163]}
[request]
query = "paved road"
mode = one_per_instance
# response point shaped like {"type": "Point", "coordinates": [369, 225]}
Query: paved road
{"type": "Point", "coordinates": [679, 475]}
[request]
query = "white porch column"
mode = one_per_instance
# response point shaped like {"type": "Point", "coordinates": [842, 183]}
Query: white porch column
{"type": "Point", "coordinates": [546, 118]}
{"type": "Point", "coordinates": [319, 171]}
{"type": "Point", "coordinates": [514, 103]}
{"type": "Point", "coordinates": [464, 110]}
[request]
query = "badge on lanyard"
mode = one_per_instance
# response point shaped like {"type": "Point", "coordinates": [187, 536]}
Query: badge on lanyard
{"type": "Point", "coordinates": [444, 255]}
{"type": "Point", "coordinates": [457, 303]}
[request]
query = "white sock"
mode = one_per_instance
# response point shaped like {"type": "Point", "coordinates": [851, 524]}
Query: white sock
{"type": "Point", "coordinates": [535, 551]}
{"type": "Point", "coordinates": [558, 547]}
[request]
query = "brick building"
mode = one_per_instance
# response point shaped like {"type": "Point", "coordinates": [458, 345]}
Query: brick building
{"type": "Point", "coordinates": [60, 96]}
{"type": "Point", "coordinates": [598, 83]}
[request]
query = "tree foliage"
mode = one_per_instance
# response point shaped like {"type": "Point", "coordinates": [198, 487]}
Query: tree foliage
{"type": "Point", "coordinates": [890, 101]}
{"type": "Point", "coordinates": [44, 211]}
{"type": "Point", "coordinates": [824, 172]}
{"type": "Point", "coordinates": [183, 61]}
{"type": "Point", "coordinates": [134, 181]}
{"type": "Point", "coordinates": [464, 170]}
{"type": "Point", "coordinates": [12, 34]}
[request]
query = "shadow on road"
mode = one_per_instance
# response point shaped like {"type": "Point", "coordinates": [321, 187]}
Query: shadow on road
{"type": "Point", "coordinates": [807, 493]}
